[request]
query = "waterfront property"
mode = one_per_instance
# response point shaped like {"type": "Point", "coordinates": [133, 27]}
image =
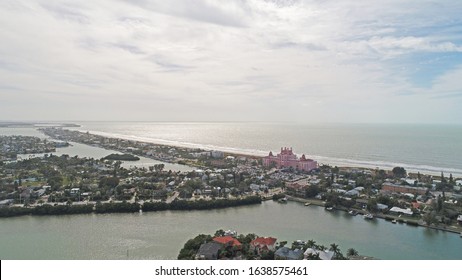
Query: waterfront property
{"type": "Point", "coordinates": [228, 241]}
{"type": "Point", "coordinates": [321, 254]}
{"type": "Point", "coordinates": [286, 158]}
{"type": "Point", "coordinates": [209, 251]}
{"type": "Point", "coordinates": [285, 253]}
{"type": "Point", "coordinates": [262, 244]}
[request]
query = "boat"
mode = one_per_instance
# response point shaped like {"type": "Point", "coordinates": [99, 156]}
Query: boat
{"type": "Point", "coordinates": [329, 208]}
{"type": "Point", "coordinates": [283, 200]}
{"type": "Point", "coordinates": [368, 216]}
{"type": "Point", "coordinates": [394, 221]}
{"type": "Point", "coordinates": [307, 204]}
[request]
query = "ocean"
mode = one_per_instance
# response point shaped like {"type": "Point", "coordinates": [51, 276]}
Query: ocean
{"type": "Point", "coordinates": [429, 149]}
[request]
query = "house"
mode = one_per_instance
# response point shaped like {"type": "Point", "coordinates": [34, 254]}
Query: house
{"type": "Point", "coordinates": [382, 207]}
{"type": "Point", "coordinates": [209, 251]}
{"type": "Point", "coordinates": [228, 241]}
{"type": "Point", "coordinates": [6, 202]}
{"type": "Point", "coordinates": [397, 210]}
{"type": "Point", "coordinates": [217, 154]}
{"type": "Point", "coordinates": [75, 191]}
{"type": "Point", "coordinates": [261, 244]}
{"type": "Point", "coordinates": [352, 193]}
{"type": "Point", "coordinates": [285, 253]}
{"type": "Point", "coordinates": [39, 193]}
{"type": "Point", "coordinates": [297, 189]}
{"type": "Point", "coordinates": [323, 255]}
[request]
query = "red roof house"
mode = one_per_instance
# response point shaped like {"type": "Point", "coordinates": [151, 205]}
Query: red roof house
{"type": "Point", "coordinates": [228, 241]}
{"type": "Point", "coordinates": [263, 244]}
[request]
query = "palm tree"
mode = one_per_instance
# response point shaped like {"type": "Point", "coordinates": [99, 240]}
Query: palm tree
{"type": "Point", "coordinates": [352, 252]}
{"type": "Point", "coordinates": [311, 243]}
{"type": "Point", "coordinates": [334, 248]}
{"type": "Point", "coordinates": [337, 253]}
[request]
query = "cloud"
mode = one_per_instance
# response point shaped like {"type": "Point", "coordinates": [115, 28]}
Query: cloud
{"type": "Point", "coordinates": [221, 13]}
{"type": "Point", "coordinates": [232, 59]}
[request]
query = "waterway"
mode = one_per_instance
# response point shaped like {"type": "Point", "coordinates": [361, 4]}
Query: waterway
{"type": "Point", "coordinates": [161, 235]}
{"type": "Point", "coordinates": [82, 150]}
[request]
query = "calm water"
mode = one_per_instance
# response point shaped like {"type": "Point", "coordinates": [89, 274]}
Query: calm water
{"type": "Point", "coordinates": [81, 150]}
{"type": "Point", "coordinates": [161, 235]}
{"type": "Point", "coordinates": [426, 148]}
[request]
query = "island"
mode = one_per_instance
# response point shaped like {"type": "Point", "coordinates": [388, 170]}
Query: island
{"type": "Point", "coordinates": [123, 157]}
{"type": "Point", "coordinates": [229, 245]}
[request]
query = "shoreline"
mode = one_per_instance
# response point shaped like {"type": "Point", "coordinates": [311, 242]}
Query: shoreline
{"type": "Point", "coordinates": [255, 154]}
{"type": "Point", "coordinates": [316, 202]}
{"type": "Point", "coordinates": [236, 152]}
{"type": "Point", "coordinates": [111, 207]}
{"type": "Point", "coordinates": [252, 153]}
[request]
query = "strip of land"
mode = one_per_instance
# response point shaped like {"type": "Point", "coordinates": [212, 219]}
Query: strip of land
{"type": "Point", "coordinates": [395, 195]}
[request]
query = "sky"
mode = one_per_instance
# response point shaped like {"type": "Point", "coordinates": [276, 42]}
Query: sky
{"type": "Point", "coordinates": [308, 61]}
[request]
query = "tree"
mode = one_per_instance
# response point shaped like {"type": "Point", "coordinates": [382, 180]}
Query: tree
{"type": "Point", "coordinates": [334, 248]}
{"type": "Point", "coordinates": [117, 167]}
{"type": "Point", "coordinates": [219, 232]}
{"type": "Point", "coordinates": [372, 205]}
{"type": "Point", "coordinates": [439, 203]}
{"type": "Point", "coordinates": [430, 218]}
{"type": "Point", "coordinates": [159, 167]}
{"type": "Point", "coordinates": [352, 252]}
{"type": "Point", "coordinates": [337, 253]}
{"type": "Point", "coordinates": [311, 191]}
{"type": "Point", "coordinates": [399, 172]}
{"type": "Point", "coordinates": [311, 243]}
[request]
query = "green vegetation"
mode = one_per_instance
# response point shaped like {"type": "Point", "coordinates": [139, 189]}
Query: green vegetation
{"type": "Point", "coordinates": [245, 251]}
{"type": "Point", "coordinates": [399, 172]}
{"type": "Point", "coordinates": [126, 157]}
{"type": "Point", "coordinates": [46, 210]}
{"type": "Point", "coordinates": [213, 204]}
{"type": "Point", "coordinates": [126, 207]}
{"type": "Point", "coordinates": [123, 207]}
{"type": "Point", "coordinates": [189, 250]}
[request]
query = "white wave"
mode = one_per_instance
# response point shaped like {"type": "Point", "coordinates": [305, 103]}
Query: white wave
{"type": "Point", "coordinates": [341, 162]}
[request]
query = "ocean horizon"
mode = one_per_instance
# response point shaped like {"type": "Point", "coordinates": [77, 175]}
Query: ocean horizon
{"type": "Point", "coordinates": [425, 148]}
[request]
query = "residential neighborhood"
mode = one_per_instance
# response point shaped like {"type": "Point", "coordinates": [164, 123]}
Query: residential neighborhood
{"type": "Point", "coordinates": [394, 195]}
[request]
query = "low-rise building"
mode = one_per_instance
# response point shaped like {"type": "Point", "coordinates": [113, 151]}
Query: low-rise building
{"type": "Point", "coordinates": [228, 241]}
{"type": "Point", "coordinates": [209, 251]}
{"type": "Point", "coordinates": [398, 210]}
{"type": "Point", "coordinates": [261, 244]}
{"type": "Point", "coordinates": [389, 187]}
{"type": "Point", "coordinates": [285, 253]}
{"type": "Point", "coordinates": [323, 255]}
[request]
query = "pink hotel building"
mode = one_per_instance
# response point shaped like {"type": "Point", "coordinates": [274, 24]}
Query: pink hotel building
{"type": "Point", "coordinates": [286, 158]}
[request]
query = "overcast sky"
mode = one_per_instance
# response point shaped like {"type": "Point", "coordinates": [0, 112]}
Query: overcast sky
{"type": "Point", "coordinates": [231, 60]}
